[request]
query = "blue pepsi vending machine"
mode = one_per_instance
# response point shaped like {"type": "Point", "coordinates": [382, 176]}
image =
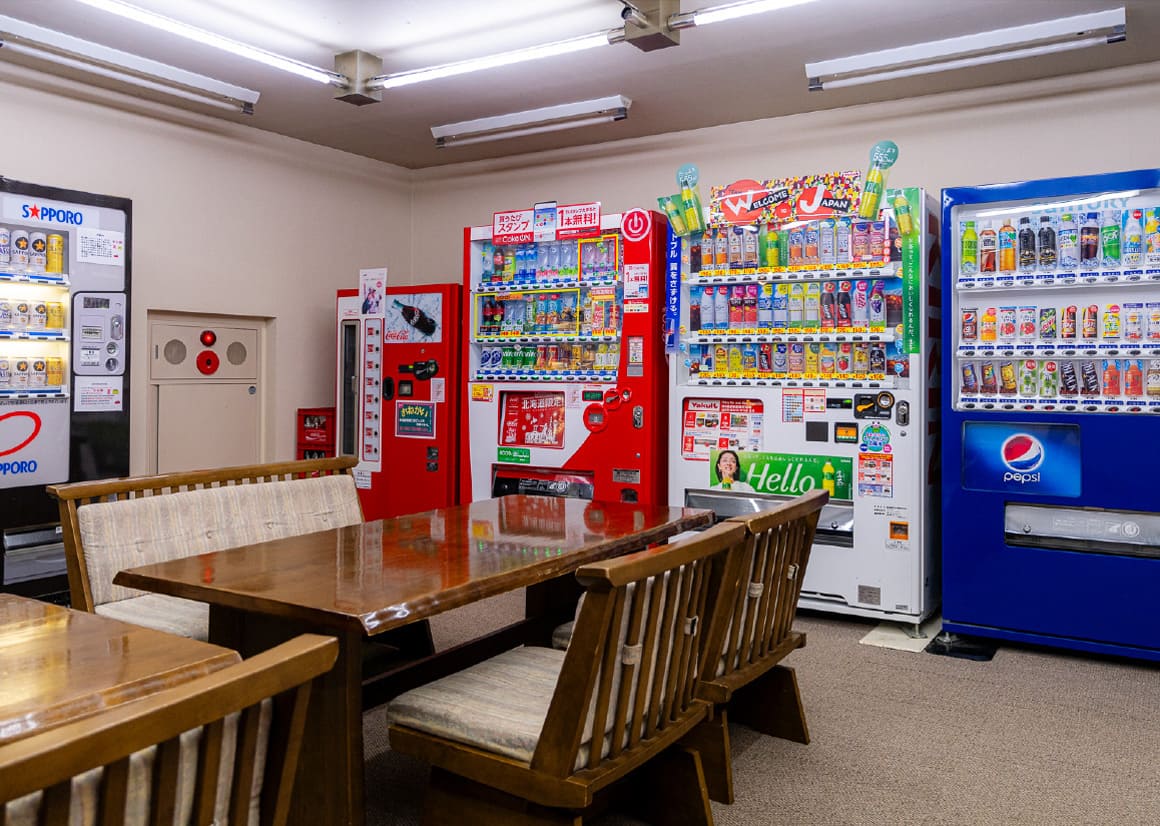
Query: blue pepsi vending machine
{"type": "Point", "coordinates": [1051, 412]}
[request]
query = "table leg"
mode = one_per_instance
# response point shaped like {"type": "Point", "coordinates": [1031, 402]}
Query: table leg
{"type": "Point", "coordinates": [328, 790]}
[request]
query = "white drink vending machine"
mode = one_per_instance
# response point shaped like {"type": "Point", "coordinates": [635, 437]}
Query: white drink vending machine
{"type": "Point", "coordinates": [64, 366]}
{"type": "Point", "coordinates": [807, 359]}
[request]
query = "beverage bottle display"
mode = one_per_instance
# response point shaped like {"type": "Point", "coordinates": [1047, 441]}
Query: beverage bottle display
{"type": "Point", "coordinates": [1110, 238]}
{"type": "Point", "coordinates": [1048, 257]}
{"type": "Point", "coordinates": [708, 249]}
{"type": "Point", "coordinates": [721, 307]}
{"type": "Point", "coordinates": [877, 305]}
{"type": "Point", "coordinates": [721, 249]}
{"type": "Point", "coordinates": [969, 249]}
{"type": "Point", "coordinates": [737, 307]}
{"type": "Point", "coordinates": [902, 215]}
{"type": "Point", "coordinates": [1068, 242]}
{"type": "Point", "coordinates": [883, 155]}
{"type": "Point", "coordinates": [781, 305]}
{"type": "Point", "coordinates": [828, 478]}
{"type": "Point", "coordinates": [811, 315]}
{"type": "Point", "coordinates": [1111, 378]}
{"type": "Point", "coordinates": [1007, 247]}
{"type": "Point", "coordinates": [988, 248]}
{"type": "Point", "coordinates": [796, 304]}
{"type": "Point", "coordinates": [1133, 378]}
{"type": "Point", "coordinates": [828, 313]}
{"type": "Point", "coordinates": [1133, 238]}
{"type": "Point", "coordinates": [751, 291]}
{"type": "Point", "coordinates": [1027, 251]}
{"type": "Point", "coordinates": [708, 317]}
{"type": "Point", "coordinates": [1089, 242]}
{"type": "Point", "coordinates": [765, 306]}
{"type": "Point", "coordinates": [842, 305]}
{"type": "Point", "coordinates": [1152, 378]}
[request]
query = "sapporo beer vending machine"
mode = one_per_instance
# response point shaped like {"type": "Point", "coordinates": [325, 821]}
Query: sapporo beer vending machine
{"type": "Point", "coordinates": [566, 386]}
{"type": "Point", "coordinates": [1052, 412]}
{"type": "Point", "coordinates": [397, 405]}
{"type": "Point", "coordinates": [64, 365]}
{"type": "Point", "coordinates": [806, 360]}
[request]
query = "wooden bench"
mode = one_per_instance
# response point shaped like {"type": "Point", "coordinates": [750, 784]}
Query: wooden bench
{"type": "Point", "coordinates": [112, 524]}
{"type": "Point", "coordinates": [749, 635]}
{"type": "Point", "coordinates": [210, 750]}
{"type": "Point", "coordinates": [534, 735]}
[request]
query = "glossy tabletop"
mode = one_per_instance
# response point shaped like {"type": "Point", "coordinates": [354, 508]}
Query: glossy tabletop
{"type": "Point", "coordinates": [379, 575]}
{"type": "Point", "coordinates": [58, 665]}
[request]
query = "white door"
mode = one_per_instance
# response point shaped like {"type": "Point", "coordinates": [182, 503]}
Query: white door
{"type": "Point", "coordinates": [205, 399]}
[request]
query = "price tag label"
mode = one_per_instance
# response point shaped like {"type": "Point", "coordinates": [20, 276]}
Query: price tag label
{"type": "Point", "coordinates": [512, 227]}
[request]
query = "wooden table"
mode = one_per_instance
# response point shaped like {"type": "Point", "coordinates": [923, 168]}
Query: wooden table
{"type": "Point", "coordinates": [360, 581]}
{"type": "Point", "coordinates": [59, 665]}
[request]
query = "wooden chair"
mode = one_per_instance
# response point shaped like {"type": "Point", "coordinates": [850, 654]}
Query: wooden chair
{"type": "Point", "coordinates": [751, 632]}
{"type": "Point", "coordinates": [211, 749]}
{"type": "Point", "coordinates": [534, 735]}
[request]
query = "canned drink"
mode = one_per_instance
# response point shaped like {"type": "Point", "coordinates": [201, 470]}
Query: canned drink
{"type": "Point", "coordinates": [1089, 378]}
{"type": "Point", "coordinates": [19, 256]}
{"type": "Point", "coordinates": [861, 358]}
{"type": "Point", "coordinates": [970, 380]}
{"type": "Point", "coordinates": [1047, 326]}
{"type": "Point", "coordinates": [796, 359]}
{"type": "Point", "coordinates": [1068, 380]}
{"type": "Point", "coordinates": [20, 315]}
{"type": "Point", "coordinates": [5, 248]}
{"type": "Point", "coordinates": [38, 373]}
{"type": "Point", "coordinates": [5, 372]}
{"type": "Point", "coordinates": [736, 360]}
{"type": "Point", "coordinates": [970, 323]}
{"type": "Point", "coordinates": [1008, 323]}
{"type": "Point", "coordinates": [5, 314]}
{"type": "Point", "coordinates": [845, 358]}
{"type": "Point", "coordinates": [38, 251]}
{"type": "Point", "coordinates": [989, 325]}
{"type": "Point", "coordinates": [1091, 315]}
{"type": "Point", "coordinates": [779, 357]}
{"type": "Point", "coordinates": [1049, 379]}
{"type": "Point", "coordinates": [1007, 377]}
{"type": "Point", "coordinates": [877, 359]}
{"type": "Point", "coordinates": [1152, 310]}
{"type": "Point", "coordinates": [37, 316]}
{"type": "Point", "coordinates": [20, 368]}
{"type": "Point", "coordinates": [813, 357]}
{"type": "Point", "coordinates": [720, 358]}
{"type": "Point", "coordinates": [1111, 321]}
{"type": "Point", "coordinates": [1133, 322]}
{"type": "Point", "coordinates": [827, 359]}
{"type": "Point", "coordinates": [706, 358]}
{"type": "Point", "coordinates": [54, 371]}
{"type": "Point", "coordinates": [765, 359]}
{"type": "Point", "coordinates": [1067, 322]}
{"type": "Point", "coordinates": [1028, 322]}
{"type": "Point", "coordinates": [54, 259]}
{"type": "Point", "coordinates": [1028, 377]}
{"type": "Point", "coordinates": [54, 315]}
{"type": "Point", "coordinates": [988, 382]}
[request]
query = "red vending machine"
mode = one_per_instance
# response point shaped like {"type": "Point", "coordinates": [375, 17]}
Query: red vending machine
{"type": "Point", "coordinates": [398, 376]}
{"type": "Point", "coordinates": [566, 376]}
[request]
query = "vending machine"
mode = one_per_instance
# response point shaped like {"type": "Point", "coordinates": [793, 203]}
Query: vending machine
{"type": "Point", "coordinates": [64, 366]}
{"type": "Point", "coordinates": [1052, 416]}
{"type": "Point", "coordinates": [806, 359]}
{"type": "Point", "coordinates": [566, 384]}
{"type": "Point", "coordinates": [397, 400]}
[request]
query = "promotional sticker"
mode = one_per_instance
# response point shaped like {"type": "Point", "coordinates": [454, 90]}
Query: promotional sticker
{"type": "Point", "coordinates": [1030, 459]}
{"type": "Point", "coordinates": [788, 474]}
{"type": "Point", "coordinates": [720, 424]}
{"type": "Point", "coordinates": [876, 475]}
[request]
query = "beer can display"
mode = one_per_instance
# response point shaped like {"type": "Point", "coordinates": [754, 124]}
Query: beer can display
{"type": "Point", "coordinates": [53, 315]}
{"type": "Point", "coordinates": [19, 254]}
{"type": "Point", "coordinates": [38, 373]}
{"type": "Point", "coordinates": [1028, 377]}
{"type": "Point", "coordinates": [21, 311]}
{"type": "Point", "coordinates": [37, 315]}
{"type": "Point", "coordinates": [37, 251]}
{"type": "Point", "coordinates": [54, 371]}
{"type": "Point", "coordinates": [5, 372]}
{"type": "Point", "coordinates": [54, 256]}
{"type": "Point", "coordinates": [5, 248]}
{"type": "Point", "coordinates": [1049, 379]}
{"type": "Point", "coordinates": [20, 368]}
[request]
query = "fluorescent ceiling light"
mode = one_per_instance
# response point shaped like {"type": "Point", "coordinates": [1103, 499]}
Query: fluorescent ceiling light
{"type": "Point", "coordinates": [730, 11]}
{"type": "Point", "coordinates": [172, 26]}
{"type": "Point", "coordinates": [462, 67]}
{"type": "Point", "coordinates": [533, 121]}
{"type": "Point", "coordinates": [1033, 40]}
{"type": "Point", "coordinates": [66, 50]}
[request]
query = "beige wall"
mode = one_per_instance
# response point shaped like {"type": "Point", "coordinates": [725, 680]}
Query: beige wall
{"type": "Point", "coordinates": [226, 220]}
{"type": "Point", "coordinates": [1068, 126]}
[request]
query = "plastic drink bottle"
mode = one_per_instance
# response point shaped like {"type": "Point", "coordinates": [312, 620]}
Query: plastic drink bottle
{"type": "Point", "coordinates": [1068, 243]}
{"type": "Point", "coordinates": [988, 248]}
{"type": "Point", "coordinates": [708, 315]}
{"type": "Point", "coordinates": [1007, 247]}
{"type": "Point", "coordinates": [1027, 252]}
{"type": "Point", "coordinates": [828, 481]}
{"type": "Point", "coordinates": [882, 156]}
{"type": "Point", "coordinates": [1048, 256]}
{"type": "Point", "coordinates": [902, 215]}
{"type": "Point", "coordinates": [1133, 238]}
{"type": "Point", "coordinates": [721, 308]}
{"type": "Point", "coordinates": [1089, 242]}
{"type": "Point", "coordinates": [969, 262]}
{"type": "Point", "coordinates": [1110, 238]}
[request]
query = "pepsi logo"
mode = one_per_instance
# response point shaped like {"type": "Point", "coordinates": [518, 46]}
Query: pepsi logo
{"type": "Point", "coordinates": [1022, 453]}
{"type": "Point", "coordinates": [634, 225]}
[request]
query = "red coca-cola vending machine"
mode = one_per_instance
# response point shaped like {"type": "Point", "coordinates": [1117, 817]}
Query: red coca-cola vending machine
{"type": "Point", "coordinates": [397, 394]}
{"type": "Point", "coordinates": [566, 384]}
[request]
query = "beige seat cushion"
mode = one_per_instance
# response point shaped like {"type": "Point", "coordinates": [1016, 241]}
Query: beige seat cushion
{"type": "Point", "coordinates": [174, 615]}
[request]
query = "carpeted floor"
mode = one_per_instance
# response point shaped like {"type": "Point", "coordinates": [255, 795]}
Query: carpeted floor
{"type": "Point", "coordinates": [1034, 736]}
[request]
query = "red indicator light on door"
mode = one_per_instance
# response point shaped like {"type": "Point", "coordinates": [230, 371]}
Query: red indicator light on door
{"type": "Point", "coordinates": [208, 362]}
{"type": "Point", "coordinates": [208, 338]}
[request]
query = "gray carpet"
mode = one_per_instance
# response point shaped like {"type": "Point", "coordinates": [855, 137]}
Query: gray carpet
{"type": "Point", "coordinates": [1032, 737]}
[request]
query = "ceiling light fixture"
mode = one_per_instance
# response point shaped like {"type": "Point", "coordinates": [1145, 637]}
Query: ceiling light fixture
{"type": "Point", "coordinates": [729, 11]}
{"type": "Point", "coordinates": [1033, 40]}
{"type": "Point", "coordinates": [462, 67]}
{"type": "Point", "coordinates": [172, 26]}
{"type": "Point", "coordinates": [533, 121]}
{"type": "Point", "coordinates": [65, 50]}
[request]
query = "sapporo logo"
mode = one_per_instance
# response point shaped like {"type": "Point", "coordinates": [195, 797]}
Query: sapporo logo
{"type": "Point", "coordinates": [1022, 454]}
{"type": "Point", "coordinates": [52, 215]}
{"type": "Point", "coordinates": [10, 445]}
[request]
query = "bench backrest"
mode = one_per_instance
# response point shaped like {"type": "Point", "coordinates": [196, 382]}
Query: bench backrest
{"type": "Point", "coordinates": [748, 632]}
{"type": "Point", "coordinates": [628, 678]}
{"type": "Point", "coordinates": [209, 750]}
{"type": "Point", "coordinates": [111, 524]}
